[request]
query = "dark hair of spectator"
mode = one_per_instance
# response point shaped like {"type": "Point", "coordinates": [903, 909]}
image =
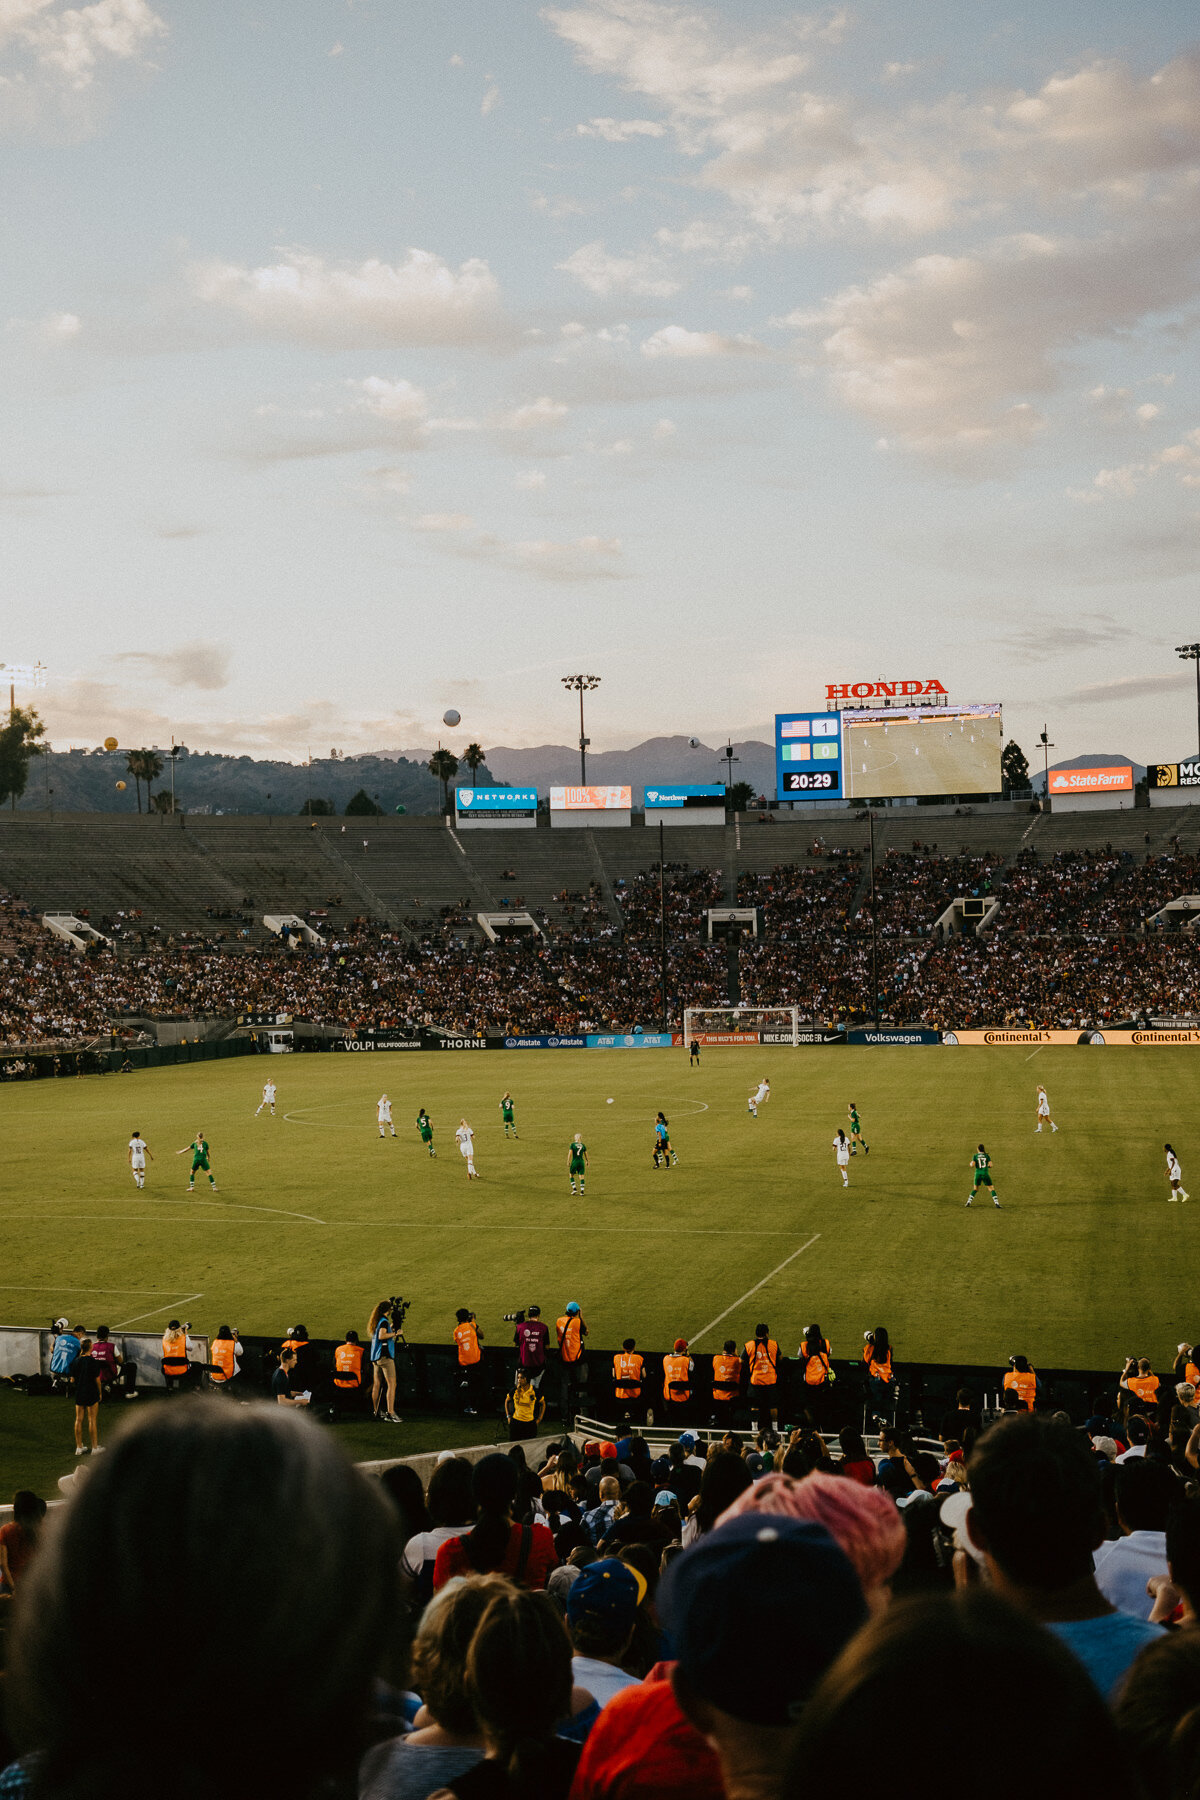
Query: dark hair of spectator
{"type": "Point", "coordinates": [223, 1332]}
{"type": "Point", "coordinates": [1145, 1490]}
{"type": "Point", "coordinates": [1037, 1500]}
{"type": "Point", "coordinates": [853, 1448]}
{"type": "Point", "coordinates": [518, 1678]}
{"type": "Point", "coordinates": [449, 1497]}
{"type": "Point", "coordinates": [29, 1509]}
{"type": "Point", "coordinates": [403, 1487]}
{"type": "Point", "coordinates": [207, 1533]}
{"type": "Point", "coordinates": [639, 1499]}
{"type": "Point", "coordinates": [813, 1341]}
{"type": "Point", "coordinates": [724, 1478]}
{"type": "Point", "coordinates": [441, 1645]}
{"type": "Point", "coordinates": [494, 1482]}
{"type": "Point", "coordinates": [1158, 1715]}
{"type": "Point", "coordinates": [1183, 1546]}
{"type": "Point", "coordinates": [938, 1662]}
{"type": "Point", "coordinates": [879, 1342]}
{"type": "Point", "coordinates": [102, 1334]}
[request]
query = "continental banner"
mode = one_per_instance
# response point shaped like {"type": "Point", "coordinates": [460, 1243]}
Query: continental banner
{"type": "Point", "coordinates": [1014, 1034]}
{"type": "Point", "coordinates": [1184, 1035]}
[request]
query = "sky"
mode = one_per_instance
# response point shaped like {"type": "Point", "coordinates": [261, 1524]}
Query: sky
{"type": "Point", "coordinates": [367, 358]}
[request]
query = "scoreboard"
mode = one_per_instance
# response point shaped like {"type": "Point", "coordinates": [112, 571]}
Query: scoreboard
{"type": "Point", "coordinates": [808, 755]}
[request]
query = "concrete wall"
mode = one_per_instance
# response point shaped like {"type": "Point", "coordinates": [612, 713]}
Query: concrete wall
{"type": "Point", "coordinates": [25, 1350]}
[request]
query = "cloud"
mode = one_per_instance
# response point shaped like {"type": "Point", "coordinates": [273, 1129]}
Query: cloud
{"type": "Point", "coordinates": [595, 269]}
{"type": "Point", "coordinates": [621, 131]}
{"type": "Point", "coordinates": [947, 351]}
{"type": "Point", "coordinates": [1126, 687]}
{"type": "Point", "coordinates": [579, 559]}
{"type": "Point", "coordinates": [1045, 637]}
{"type": "Point", "coordinates": [304, 298]}
{"type": "Point", "coordinates": [53, 57]}
{"type": "Point", "coordinates": [490, 101]}
{"type": "Point", "coordinates": [535, 415]}
{"type": "Point", "coordinates": [443, 522]}
{"type": "Point", "coordinates": [197, 665]}
{"type": "Point", "coordinates": [675, 340]}
{"type": "Point", "coordinates": [530, 478]}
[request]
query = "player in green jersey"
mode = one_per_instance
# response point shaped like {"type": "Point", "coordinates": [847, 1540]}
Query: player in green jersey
{"type": "Point", "coordinates": [506, 1113]}
{"type": "Point", "coordinates": [856, 1136]}
{"type": "Point", "coordinates": [577, 1163]}
{"type": "Point", "coordinates": [200, 1160]}
{"type": "Point", "coordinates": [981, 1167]}
{"type": "Point", "coordinates": [425, 1127]}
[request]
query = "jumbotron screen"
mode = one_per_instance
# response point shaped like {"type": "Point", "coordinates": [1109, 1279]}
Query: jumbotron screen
{"type": "Point", "coordinates": [894, 752]}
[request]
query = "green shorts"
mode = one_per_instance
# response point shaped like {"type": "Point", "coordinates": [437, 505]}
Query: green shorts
{"type": "Point", "coordinates": [426, 1137]}
{"type": "Point", "coordinates": [199, 1162]}
{"type": "Point", "coordinates": [983, 1178]}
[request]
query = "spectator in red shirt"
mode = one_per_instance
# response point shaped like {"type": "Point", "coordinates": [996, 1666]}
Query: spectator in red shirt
{"type": "Point", "coordinates": [497, 1545]}
{"type": "Point", "coordinates": [18, 1539]}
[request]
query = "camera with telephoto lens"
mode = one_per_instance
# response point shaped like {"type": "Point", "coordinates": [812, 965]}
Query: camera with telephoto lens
{"type": "Point", "coordinates": [397, 1311]}
{"type": "Point", "coordinates": [517, 1318]}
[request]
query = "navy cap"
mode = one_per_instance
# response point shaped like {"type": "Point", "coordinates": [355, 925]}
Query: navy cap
{"type": "Point", "coordinates": [609, 1590]}
{"type": "Point", "coordinates": [687, 1440]}
{"type": "Point", "coordinates": [757, 1610]}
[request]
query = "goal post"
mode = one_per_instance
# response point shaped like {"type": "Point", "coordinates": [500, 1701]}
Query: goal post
{"type": "Point", "coordinates": [741, 1025]}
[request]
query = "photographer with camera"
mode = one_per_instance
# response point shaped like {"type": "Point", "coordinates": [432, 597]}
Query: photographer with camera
{"type": "Point", "coordinates": [384, 1337]}
{"type": "Point", "coordinates": [467, 1341]}
{"type": "Point", "coordinates": [179, 1365]}
{"type": "Point", "coordinates": [530, 1340]}
{"type": "Point", "coordinates": [348, 1390]}
{"type": "Point", "coordinates": [572, 1370]}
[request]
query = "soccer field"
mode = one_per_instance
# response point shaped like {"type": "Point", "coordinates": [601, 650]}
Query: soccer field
{"type": "Point", "coordinates": [316, 1218]}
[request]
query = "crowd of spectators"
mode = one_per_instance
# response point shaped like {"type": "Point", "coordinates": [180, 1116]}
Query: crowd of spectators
{"type": "Point", "coordinates": [746, 1620]}
{"type": "Point", "coordinates": [1067, 947]}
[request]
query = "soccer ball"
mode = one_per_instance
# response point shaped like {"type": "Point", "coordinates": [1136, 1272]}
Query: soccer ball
{"type": "Point", "coordinates": [608, 1102]}
{"type": "Point", "coordinates": [451, 717]}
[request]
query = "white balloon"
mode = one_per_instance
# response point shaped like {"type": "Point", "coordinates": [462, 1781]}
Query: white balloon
{"type": "Point", "coordinates": [450, 717]}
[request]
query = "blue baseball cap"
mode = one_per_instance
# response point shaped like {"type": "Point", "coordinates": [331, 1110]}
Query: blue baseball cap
{"type": "Point", "coordinates": [757, 1610]}
{"type": "Point", "coordinates": [665, 1497]}
{"type": "Point", "coordinates": [572, 1306]}
{"type": "Point", "coordinates": [687, 1440]}
{"type": "Point", "coordinates": [609, 1590]}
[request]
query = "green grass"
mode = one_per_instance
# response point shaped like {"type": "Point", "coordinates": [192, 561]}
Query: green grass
{"type": "Point", "coordinates": [37, 1437]}
{"type": "Point", "coordinates": [316, 1218]}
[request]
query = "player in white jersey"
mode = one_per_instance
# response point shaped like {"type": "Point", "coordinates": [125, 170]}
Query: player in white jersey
{"type": "Point", "coordinates": [139, 1150]}
{"type": "Point", "coordinates": [1043, 1109]}
{"type": "Point", "coordinates": [383, 1112]}
{"type": "Point", "coordinates": [268, 1099]}
{"type": "Point", "coordinates": [841, 1149]}
{"type": "Point", "coordinates": [1175, 1176]}
{"type": "Point", "coordinates": [466, 1144]}
{"type": "Point", "coordinates": [759, 1097]}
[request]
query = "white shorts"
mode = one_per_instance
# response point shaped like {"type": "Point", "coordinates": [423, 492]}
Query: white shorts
{"type": "Point", "coordinates": [467, 1149]}
{"type": "Point", "coordinates": [843, 1157]}
{"type": "Point", "coordinates": [138, 1162]}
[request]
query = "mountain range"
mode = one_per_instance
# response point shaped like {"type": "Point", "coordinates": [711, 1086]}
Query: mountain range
{"type": "Point", "coordinates": [658, 760]}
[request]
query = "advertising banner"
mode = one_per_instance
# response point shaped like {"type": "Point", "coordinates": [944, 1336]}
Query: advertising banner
{"type": "Point", "coordinates": [1175, 775]}
{"type": "Point", "coordinates": [1012, 1034]}
{"type": "Point", "coordinates": [1142, 1039]}
{"type": "Point", "coordinates": [732, 1037]}
{"type": "Point", "coordinates": [545, 1043]}
{"type": "Point", "coordinates": [676, 796]}
{"type": "Point", "coordinates": [894, 1035]}
{"type": "Point", "coordinates": [496, 803]}
{"type": "Point", "coordinates": [1117, 780]}
{"type": "Point", "coordinates": [462, 1043]}
{"type": "Point", "coordinates": [591, 799]}
{"type": "Point", "coordinates": [377, 1040]}
{"type": "Point", "coordinates": [632, 1040]}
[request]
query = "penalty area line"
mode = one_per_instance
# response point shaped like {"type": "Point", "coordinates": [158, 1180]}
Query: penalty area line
{"type": "Point", "coordinates": [156, 1312]}
{"type": "Point", "coordinates": [750, 1292]}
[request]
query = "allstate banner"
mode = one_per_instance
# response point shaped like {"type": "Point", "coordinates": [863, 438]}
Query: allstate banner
{"type": "Point", "coordinates": [497, 803]}
{"type": "Point", "coordinates": [545, 1043]}
{"type": "Point", "coordinates": [632, 1040]}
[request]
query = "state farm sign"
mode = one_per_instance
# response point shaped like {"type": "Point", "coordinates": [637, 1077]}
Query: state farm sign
{"type": "Point", "coordinates": [1118, 780]}
{"type": "Point", "coordinates": [931, 692]}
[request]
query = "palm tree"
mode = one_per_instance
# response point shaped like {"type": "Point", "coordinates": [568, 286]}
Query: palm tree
{"type": "Point", "coordinates": [474, 756]}
{"type": "Point", "coordinates": [444, 764]}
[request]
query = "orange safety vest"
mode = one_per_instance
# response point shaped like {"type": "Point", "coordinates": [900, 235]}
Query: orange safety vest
{"type": "Point", "coordinates": [1145, 1387]}
{"type": "Point", "coordinates": [296, 1344]}
{"type": "Point", "coordinates": [174, 1356]}
{"type": "Point", "coordinates": [347, 1365]}
{"type": "Point", "coordinates": [1025, 1383]}
{"type": "Point", "coordinates": [676, 1372]}
{"type": "Point", "coordinates": [816, 1365]}
{"type": "Point", "coordinates": [877, 1370]}
{"type": "Point", "coordinates": [222, 1353]}
{"type": "Point", "coordinates": [467, 1339]}
{"type": "Point", "coordinates": [1191, 1373]}
{"type": "Point", "coordinates": [627, 1375]}
{"type": "Point", "coordinates": [570, 1337]}
{"type": "Point", "coordinates": [727, 1371]}
{"type": "Point", "coordinates": [763, 1354]}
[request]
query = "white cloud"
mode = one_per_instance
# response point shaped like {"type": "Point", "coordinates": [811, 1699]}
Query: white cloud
{"type": "Point", "coordinates": [54, 57]}
{"type": "Point", "coordinates": [535, 415]}
{"type": "Point", "coordinates": [573, 560]}
{"type": "Point", "coordinates": [443, 522]}
{"type": "Point", "coordinates": [621, 131]}
{"type": "Point", "coordinates": [594, 268]}
{"type": "Point", "coordinates": [306, 299]}
{"type": "Point", "coordinates": [530, 478]}
{"type": "Point", "coordinates": [394, 400]}
{"type": "Point", "coordinates": [675, 340]}
{"type": "Point", "coordinates": [490, 101]}
{"type": "Point", "coordinates": [198, 664]}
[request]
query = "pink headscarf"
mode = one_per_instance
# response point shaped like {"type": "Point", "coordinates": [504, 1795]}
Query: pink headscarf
{"type": "Point", "coordinates": [864, 1521]}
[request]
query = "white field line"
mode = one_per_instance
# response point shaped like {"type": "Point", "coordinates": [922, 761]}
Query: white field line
{"type": "Point", "coordinates": [10, 1287]}
{"type": "Point", "coordinates": [750, 1292]}
{"type": "Point", "coordinates": [157, 1312]}
{"type": "Point", "coordinates": [1034, 1053]}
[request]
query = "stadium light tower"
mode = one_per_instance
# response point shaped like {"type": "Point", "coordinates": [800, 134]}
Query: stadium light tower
{"type": "Point", "coordinates": [1047, 747]}
{"type": "Point", "coordinates": [582, 684]}
{"type": "Point", "coordinates": [1191, 653]}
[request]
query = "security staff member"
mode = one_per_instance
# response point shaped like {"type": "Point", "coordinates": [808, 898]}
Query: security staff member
{"type": "Point", "coordinates": [347, 1370]}
{"type": "Point", "coordinates": [467, 1339]}
{"type": "Point", "coordinates": [727, 1383]}
{"type": "Point", "coordinates": [572, 1370]}
{"type": "Point", "coordinates": [224, 1355]}
{"type": "Point", "coordinates": [762, 1368]}
{"type": "Point", "coordinates": [677, 1380]}
{"type": "Point", "coordinates": [628, 1366]}
{"type": "Point", "coordinates": [1023, 1381]}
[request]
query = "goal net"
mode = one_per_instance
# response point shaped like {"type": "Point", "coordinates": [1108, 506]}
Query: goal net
{"type": "Point", "coordinates": [741, 1025]}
